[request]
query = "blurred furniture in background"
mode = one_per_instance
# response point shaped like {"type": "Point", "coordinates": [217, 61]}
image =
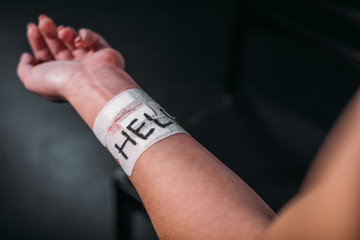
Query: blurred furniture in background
{"type": "Point", "coordinates": [132, 221]}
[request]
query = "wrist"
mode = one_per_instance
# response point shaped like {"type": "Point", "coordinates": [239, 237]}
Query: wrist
{"type": "Point", "coordinates": [89, 94]}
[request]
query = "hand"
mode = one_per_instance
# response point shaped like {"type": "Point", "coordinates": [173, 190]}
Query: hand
{"type": "Point", "coordinates": [65, 61]}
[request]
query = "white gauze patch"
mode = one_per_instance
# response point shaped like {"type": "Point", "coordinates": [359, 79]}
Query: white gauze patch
{"type": "Point", "coordinates": [130, 123]}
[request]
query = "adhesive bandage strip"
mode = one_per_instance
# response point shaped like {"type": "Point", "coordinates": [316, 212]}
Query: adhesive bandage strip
{"type": "Point", "coordinates": [130, 123]}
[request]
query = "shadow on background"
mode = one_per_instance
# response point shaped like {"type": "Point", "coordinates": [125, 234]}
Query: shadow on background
{"type": "Point", "coordinates": [259, 83]}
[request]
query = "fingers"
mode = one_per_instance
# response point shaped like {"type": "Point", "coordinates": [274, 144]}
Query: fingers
{"type": "Point", "coordinates": [37, 44]}
{"type": "Point", "coordinates": [49, 42]}
{"type": "Point", "coordinates": [89, 39]}
{"type": "Point", "coordinates": [56, 46]}
{"type": "Point", "coordinates": [67, 35]}
{"type": "Point", "coordinates": [26, 63]}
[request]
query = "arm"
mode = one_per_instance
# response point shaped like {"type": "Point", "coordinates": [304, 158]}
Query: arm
{"type": "Point", "coordinates": [328, 205]}
{"type": "Point", "coordinates": [187, 192]}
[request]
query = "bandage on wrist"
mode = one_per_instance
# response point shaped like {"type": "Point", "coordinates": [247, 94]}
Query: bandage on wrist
{"type": "Point", "coordinates": [130, 123]}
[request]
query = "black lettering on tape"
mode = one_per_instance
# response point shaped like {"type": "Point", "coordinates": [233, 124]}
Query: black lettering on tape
{"type": "Point", "coordinates": [166, 114]}
{"type": "Point", "coordinates": [137, 131]}
{"type": "Point", "coordinates": [163, 125]}
{"type": "Point", "coordinates": [121, 149]}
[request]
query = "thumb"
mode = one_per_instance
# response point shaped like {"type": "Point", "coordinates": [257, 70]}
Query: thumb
{"type": "Point", "coordinates": [26, 63]}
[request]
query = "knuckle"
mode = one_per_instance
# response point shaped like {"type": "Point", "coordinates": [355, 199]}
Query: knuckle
{"type": "Point", "coordinates": [109, 55]}
{"type": "Point", "coordinates": [113, 56]}
{"type": "Point", "coordinates": [63, 54]}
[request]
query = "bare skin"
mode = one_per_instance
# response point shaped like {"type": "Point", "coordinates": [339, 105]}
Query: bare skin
{"type": "Point", "coordinates": [327, 207]}
{"type": "Point", "coordinates": [189, 193]}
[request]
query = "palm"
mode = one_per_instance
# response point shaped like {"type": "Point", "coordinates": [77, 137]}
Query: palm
{"type": "Point", "coordinates": [50, 79]}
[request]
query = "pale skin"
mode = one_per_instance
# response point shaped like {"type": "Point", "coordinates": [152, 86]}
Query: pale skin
{"type": "Point", "coordinates": [187, 192]}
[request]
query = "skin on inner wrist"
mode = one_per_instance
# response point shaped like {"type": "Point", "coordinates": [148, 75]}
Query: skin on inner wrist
{"type": "Point", "coordinates": [90, 99]}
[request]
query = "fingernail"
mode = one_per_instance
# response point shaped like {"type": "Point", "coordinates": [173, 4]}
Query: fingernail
{"type": "Point", "coordinates": [78, 39]}
{"type": "Point", "coordinates": [30, 25]}
{"type": "Point", "coordinates": [42, 16]}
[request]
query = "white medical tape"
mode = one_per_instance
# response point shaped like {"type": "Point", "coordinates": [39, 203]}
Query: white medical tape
{"type": "Point", "coordinates": [130, 123]}
{"type": "Point", "coordinates": [115, 108]}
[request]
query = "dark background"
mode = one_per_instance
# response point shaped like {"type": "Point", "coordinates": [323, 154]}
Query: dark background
{"type": "Point", "coordinates": [259, 83]}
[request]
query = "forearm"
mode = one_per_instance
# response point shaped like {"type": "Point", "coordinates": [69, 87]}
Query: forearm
{"type": "Point", "coordinates": [327, 207]}
{"type": "Point", "coordinates": [340, 152]}
{"type": "Point", "coordinates": [187, 192]}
